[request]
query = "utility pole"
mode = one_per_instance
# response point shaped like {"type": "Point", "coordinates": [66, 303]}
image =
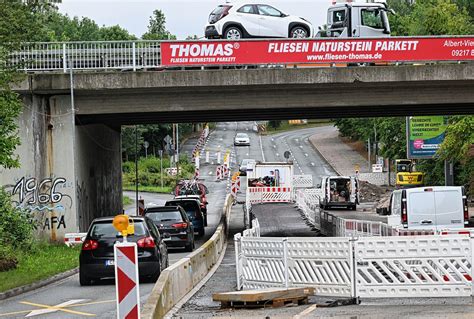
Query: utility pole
{"type": "Point", "coordinates": [369, 148]}
{"type": "Point", "coordinates": [136, 169]}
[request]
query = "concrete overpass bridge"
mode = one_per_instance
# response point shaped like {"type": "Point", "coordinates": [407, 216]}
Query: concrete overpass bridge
{"type": "Point", "coordinates": [71, 148]}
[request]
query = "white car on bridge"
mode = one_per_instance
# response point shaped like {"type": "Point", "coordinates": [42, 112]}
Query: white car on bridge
{"type": "Point", "coordinates": [240, 20]}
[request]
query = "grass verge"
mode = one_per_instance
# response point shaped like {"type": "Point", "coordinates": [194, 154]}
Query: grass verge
{"type": "Point", "coordinates": [126, 201]}
{"type": "Point", "coordinates": [149, 189]}
{"type": "Point", "coordinates": [285, 126]}
{"type": "Point", "coordinates": [45, 261]}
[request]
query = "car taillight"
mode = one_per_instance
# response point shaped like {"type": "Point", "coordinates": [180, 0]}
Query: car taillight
{"type": "Point", "coordinates": [90, 245]}
{"type": "Point", "coordinates": [466, 210]}
{"type": "Point", "coordinates": [404, 210]}
{"type": "Point", "coordinates": [146, 242]}
{"type": "Point", "coordinates": [180, 225]}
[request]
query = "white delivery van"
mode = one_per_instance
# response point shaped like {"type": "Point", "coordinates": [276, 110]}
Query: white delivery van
{"type": "Point", "coordinates": [434, 207]}
{"type": "Point", "coordinates": [339, 191]}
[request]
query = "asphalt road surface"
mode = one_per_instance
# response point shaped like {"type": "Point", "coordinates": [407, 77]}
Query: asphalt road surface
{"type": "Point", "coordinates": [99, 300]}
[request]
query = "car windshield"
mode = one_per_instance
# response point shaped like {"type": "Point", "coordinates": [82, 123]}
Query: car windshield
{"type": "Point", "coordinates": [189, 206]}
{"type": "Point", "coordinates": [165, 216]}
{"type": "Point", "coordinates": [107, 230]}
{"type": "Point", "coordinates": [242, 135]}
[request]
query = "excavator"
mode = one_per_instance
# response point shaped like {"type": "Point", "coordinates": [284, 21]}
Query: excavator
{"type": "Point", "coordinates": [407, 176]}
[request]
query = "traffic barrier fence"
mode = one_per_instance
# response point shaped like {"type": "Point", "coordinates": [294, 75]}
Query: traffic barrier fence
{"type": "Point", "coordinates": [365, 267]}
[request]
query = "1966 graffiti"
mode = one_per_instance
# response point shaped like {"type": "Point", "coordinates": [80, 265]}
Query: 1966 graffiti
{"type": "Point", "coordinates": [42, 197]}
{"type": "Point", "coordinates": [30, 190]}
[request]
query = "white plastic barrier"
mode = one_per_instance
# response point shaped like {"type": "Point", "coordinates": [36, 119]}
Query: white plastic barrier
{"type": "Point", "coordinates": [369, 267]}
{"type": "Point", "coordinates": [302, 181]}
{"type": "Point", "coordinates": [414, 266]}
{"type": "Point", "coordinates": [71, 239]}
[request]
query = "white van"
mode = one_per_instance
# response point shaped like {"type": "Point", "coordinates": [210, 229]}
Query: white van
{"type": "Point", "coordinates": [434, 207]}
{"type": "Point", "coordinates": [339, 191]}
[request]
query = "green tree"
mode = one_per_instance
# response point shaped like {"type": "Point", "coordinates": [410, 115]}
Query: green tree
{"type": "Point", "coordinates": [430, 17]}
{"type": "Point", "coordinates": [18, 24]}
{"type": "Point", "coordinates": [157, 28]}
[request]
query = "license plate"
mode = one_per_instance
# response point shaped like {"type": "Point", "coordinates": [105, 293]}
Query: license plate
{"type": "Point", "coordinates": [109, 262]}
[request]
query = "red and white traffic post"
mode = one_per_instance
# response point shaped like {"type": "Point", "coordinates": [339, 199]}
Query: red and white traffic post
{"type": "Point", "coordinates": [126, 272]}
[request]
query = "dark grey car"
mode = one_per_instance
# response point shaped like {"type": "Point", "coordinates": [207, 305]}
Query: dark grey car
{"type": "Point", "coordinates": [174, 225]}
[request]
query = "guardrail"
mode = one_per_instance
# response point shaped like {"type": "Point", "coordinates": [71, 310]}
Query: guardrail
{"type": "Point", "coordinates": [141, 54]}
{"type": "Point", "coordinates": [180, 278]}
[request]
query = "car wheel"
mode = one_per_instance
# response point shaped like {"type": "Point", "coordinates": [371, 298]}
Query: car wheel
{"type": "Point", "coordinates": [233, 33]}
{"type": "Point", "coordinates": [201, 232]}
{"type": "Point", "coordinates": [156, 275]}
{"type": "Point", "coordinates": [84, 280]}
{"type": "Point", "coordinates": [189, 247]}
{"type": "Point", "coordinates": [298, 33]}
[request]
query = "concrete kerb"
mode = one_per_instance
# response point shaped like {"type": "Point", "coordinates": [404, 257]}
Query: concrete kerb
{"type": "Point", "coordinates": [179, 279]}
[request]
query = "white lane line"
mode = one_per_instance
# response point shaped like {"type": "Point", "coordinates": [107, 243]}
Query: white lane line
{"type": "Point", "coordinates": [261, 148]}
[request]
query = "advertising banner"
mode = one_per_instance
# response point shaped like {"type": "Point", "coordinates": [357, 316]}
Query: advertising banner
{"type": "Point", "coordinates": [323, 50]}
{"type": "Point", "coordinates": [424, 135]}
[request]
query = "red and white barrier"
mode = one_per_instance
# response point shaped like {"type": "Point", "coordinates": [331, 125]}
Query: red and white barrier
{"type": "Point", "coordinates": [233, 189]}
{"type": "Point", "coordinates": [269, 194]}
{"type": "Point", "coordinates": [219, 173]}
{"type": "Point", "coordinates": [126, 280]}
{"type": "Point", "coordinates": [225, 171]}
{"type": "Point", "coordinates": [71, 239]}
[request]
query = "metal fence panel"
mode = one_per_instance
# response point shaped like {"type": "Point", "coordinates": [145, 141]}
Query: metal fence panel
{"type": "Point", "coordinates": [94, 55]}
{"type": "Point", "coordinates": [413, 266]}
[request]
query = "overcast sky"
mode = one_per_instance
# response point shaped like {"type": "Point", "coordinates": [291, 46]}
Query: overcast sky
{"type": "Point", "coordinates": [183, 17]}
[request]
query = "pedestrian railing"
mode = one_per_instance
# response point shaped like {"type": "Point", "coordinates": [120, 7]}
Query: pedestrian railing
{"type": "Point", "coordinates": [95, 55]}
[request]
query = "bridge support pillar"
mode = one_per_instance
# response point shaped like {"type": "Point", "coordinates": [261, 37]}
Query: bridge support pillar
{"type": "Point", "coordinates": [69, 173]}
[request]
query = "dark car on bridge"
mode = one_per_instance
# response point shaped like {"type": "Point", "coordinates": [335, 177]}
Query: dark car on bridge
{"type": "Point", "coordinates": [174, 224]}
{"type": "Point", "coordinates": [96, 260]}
{"type": "Point", "coordinates": [193, 210]}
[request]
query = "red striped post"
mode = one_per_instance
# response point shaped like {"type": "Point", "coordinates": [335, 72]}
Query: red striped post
{"type": "Point", "coordinates": [126, 280]}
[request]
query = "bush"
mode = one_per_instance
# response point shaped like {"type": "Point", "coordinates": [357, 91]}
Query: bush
{"type": "Point", "coordinates": [16, 231]}
{"type": "Point", "coordinates": [149, 173]}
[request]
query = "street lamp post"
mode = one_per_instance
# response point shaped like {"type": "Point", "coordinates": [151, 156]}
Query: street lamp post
{"type": "Point", "coordinates": [136, 169]}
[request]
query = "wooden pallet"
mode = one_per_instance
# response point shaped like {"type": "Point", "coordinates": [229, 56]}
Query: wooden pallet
{"type": "Point", "coordinates": [274, 297]}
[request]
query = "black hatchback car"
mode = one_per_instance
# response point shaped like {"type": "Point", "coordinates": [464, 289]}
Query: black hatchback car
{"type": "Point", "coordinates": [174, 224]}
{"type": "Point", "coordinates": [96, 260]}
{"type": "Point", "coordinates": [192, 208]}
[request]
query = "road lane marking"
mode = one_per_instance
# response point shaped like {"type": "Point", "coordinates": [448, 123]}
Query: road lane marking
{"type": "Point", "coordinates": [51, 309]}
{"type": "Point", "coordinates": [90, 303]}
{"type": "Point", "coordinates": [305, 312]}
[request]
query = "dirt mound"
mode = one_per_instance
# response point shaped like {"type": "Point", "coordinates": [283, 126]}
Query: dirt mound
{"type": "Point", "coordinates": [373, 193]}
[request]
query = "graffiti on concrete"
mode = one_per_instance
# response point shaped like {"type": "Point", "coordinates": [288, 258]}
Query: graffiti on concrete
{"type": "Point", "coordinates": [44, 198]}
